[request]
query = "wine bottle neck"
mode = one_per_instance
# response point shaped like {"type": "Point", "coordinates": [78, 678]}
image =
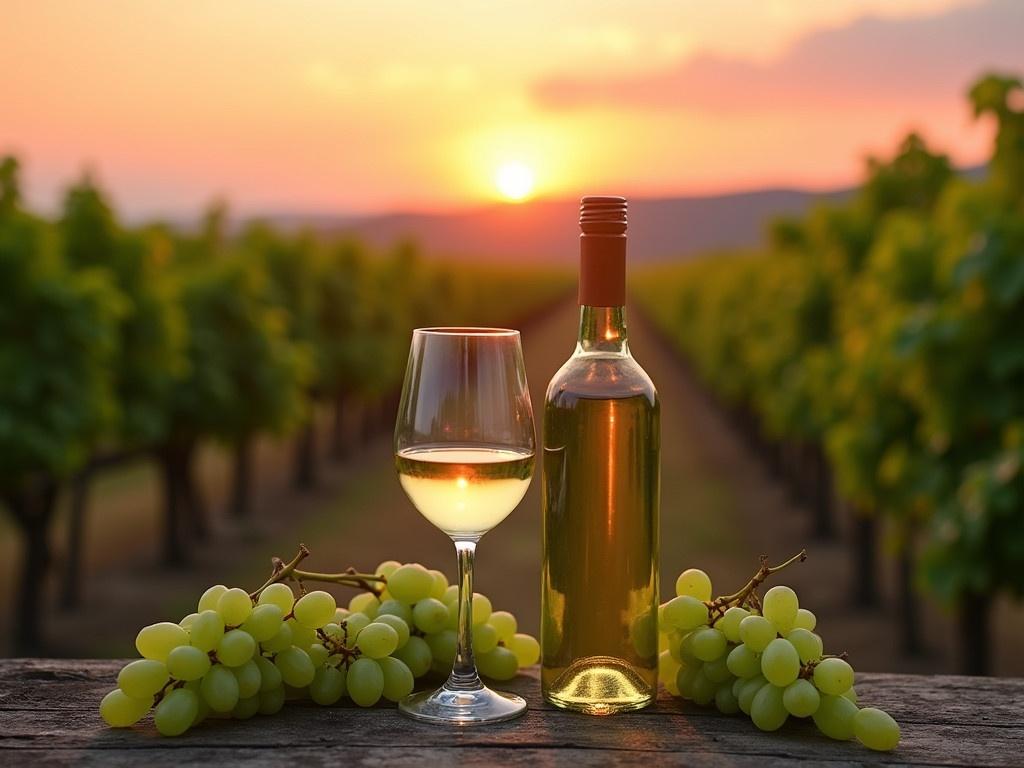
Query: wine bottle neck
{"type": "Point", "coordinates": [603, 330]}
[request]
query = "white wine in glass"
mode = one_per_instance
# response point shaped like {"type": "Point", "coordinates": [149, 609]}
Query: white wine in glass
{"type": "Point", "coordinates": [464, 451]}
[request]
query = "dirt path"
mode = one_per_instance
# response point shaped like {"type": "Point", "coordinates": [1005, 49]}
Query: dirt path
{"type": "Point", "coordinates": [719, 511]}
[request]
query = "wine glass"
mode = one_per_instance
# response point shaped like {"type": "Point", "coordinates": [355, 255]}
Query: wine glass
{"type": "Point", "coordinates": [464, 450]}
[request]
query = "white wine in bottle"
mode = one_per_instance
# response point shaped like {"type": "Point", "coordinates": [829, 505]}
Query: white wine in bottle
{"type": "Point", "coordinates": [600, 475]}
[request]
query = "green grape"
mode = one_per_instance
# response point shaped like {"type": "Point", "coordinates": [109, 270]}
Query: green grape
{"type": "Point", "coordinates": [685, 612]}
{"type": "Point", "coordinates": [717, 671]}
{"type": "Point", "coordinates": [143, 678]}
{"type": "Point", "coordinates": [186, 623]}
{"type": "Point", "coordinates": [451, 595]}
{"type": "Point", "coordinates": [643, 633]}
{"type": "Point", "coordinates": [318, 654]}
{"type": "Point", "coordinates": [119, 710]}
{"type": "Point", "coordinates": [416, 655]}
{"type": "Point", "coordinates": [443, 647]}
{"type": "Point", "coordinates": [703, 689]}
{"type": "Point", "coordinates": [779, 606]}
{"type": "Point", "coordinates": [767, 710]}
{"type": "Point", "coordinates": [208, 602]}
{"type": "Point", "coordinates": [328, 686]}
{"type": "Point", "coordinates": [801, 698]}
{"type": "Point", "coordinates": [499, 663]}
{"type": "Point", "coordinates": [453, 616]}
{"type": "Point", "coordinates": [206, 631]}
{"type": "Point", "coordinates": [270, 675]}
{"type": "Point", "coordinates": [397, 608]}
{"type": "Point", "coordinates": [876, 729]}
{"type": "Point", "coordinates": [748, 691]}
{"type": "Point", "coordinates": [400, 627]}
{"type": "Point", "coordinates": [202, 708]}
{"type": "Point", "coordinates": [430, 615]}
{"type": "Point", "coordinates": [440, 585]}
{"type": "Point", "coordinates": [835, 716]}
{"type": "Point", "coordinates": [365, 681]}
{"type": "Point", "coordinates": [743, 662]}
{"type": "Point", "coordinates": [807, 644]}
{"type": "Point", "coordinates": [246, 708]}
{"type": "Point", "coordinates": [833, 676]}
{"type": "Point", "coordinates": [249, 679]}
{"type": "Point", "coordinates": [525, 647]}
{"type": "Point", "coordinates": [725, 700]}
{"type": "Point", "coordinates": [737, 685]}
{"type": "Point", "coordinates": [186, 662]}
{"type": "Point", "coordinates": [263, 622]}
{"type": "Point", "coordinates": [481, 608]}
{"type": "Point", "coordinates": [504, 623]}
{"type": "Point", "coordinates": [235, 648]}
{"type": "Point", "coordinates": [684, 652]}
{"type": "Point", "coordinates": [385, 595]}
{"type": "Point", "coordinates": [157, 640]}
{"type": "Point", "coordinates": [668, 671]}
{"type": "Point", "coordinates": [356, 623]}
{"type": "Point", "coordinates": [219, 688]}
{"type": "Point", "coordinates": [780, 663]}
{"type": "Point", "coordinates": [386, 568]}
{"type": "Point", "coordinates": [695, 583]}
{"type": "Point", "coordinates": [366, 603]}
{"type": "Point", "coordinates": [280, 641]}
{"type": "Point", "coordinates": [851, 694]}
{"type": "Point", "coordinates": [314, 609]}
{"type": "Point", "coordinates": [485, 638]}
{"type": "Point", "coordinates": [295, 667]}
{"type": "Point", "coordinates": [176, 712]}
{"type": "Point", "coordinates": [234, 606]}
{"type": "Point", "coordinates": [377, 641]}
{"type": "Point", "coordinates": [708, 644]}
{"type": "Point", "coordinates": [280, 595]}
{"type": "Point", "coordinates": [340, 615]}
{"type": "Point", "coordinates": [685, 678]}
{"type": "Point", "coordinates": [756, 632]}
{"type": "Point", "coordinates": [302, 637]}
{"type": "Point", "coordinates": [271, 701]}
{"type": "Point", "coordinates": [410, 583]}
{"type": "Point", "coordinates": [729, 624]}
{"type": "Point", "coordinates": [805, 620]}
{"type": "Point", "coordinates": [398, 679]}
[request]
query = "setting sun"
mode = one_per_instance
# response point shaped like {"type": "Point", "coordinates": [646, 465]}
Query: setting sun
{"type": "Point", "coordinates": [514, 181]}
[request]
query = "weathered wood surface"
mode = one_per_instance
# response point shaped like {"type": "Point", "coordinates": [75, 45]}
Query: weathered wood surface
{"type": "Point", "coordinates": [48, 716]}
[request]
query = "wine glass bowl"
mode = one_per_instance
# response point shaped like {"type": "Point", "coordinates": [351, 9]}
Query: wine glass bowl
{"type": "Point", "coordinates": [464, 451]}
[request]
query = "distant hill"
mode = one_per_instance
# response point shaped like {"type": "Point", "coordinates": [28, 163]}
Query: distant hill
{"type": "Point", "coordinates": [545, 230]}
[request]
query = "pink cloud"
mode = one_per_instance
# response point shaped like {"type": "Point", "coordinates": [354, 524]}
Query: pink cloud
{"type": "Point", "coordinates": [871, 61]}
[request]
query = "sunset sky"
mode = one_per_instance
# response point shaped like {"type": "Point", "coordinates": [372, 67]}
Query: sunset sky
{"type": "Point", "coordinates": [354, 106]}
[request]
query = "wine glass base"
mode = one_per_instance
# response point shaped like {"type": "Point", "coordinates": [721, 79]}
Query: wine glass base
{"type": "Point", "coordinates": [453, 707]}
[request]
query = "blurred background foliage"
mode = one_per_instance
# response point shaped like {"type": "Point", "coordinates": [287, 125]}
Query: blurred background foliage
{"type": "Point", "coordinates": [120, 342]}
{"type": "Point", "coordinates": [879, 345]}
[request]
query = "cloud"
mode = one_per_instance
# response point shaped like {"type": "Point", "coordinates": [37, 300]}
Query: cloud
{"type": "Point", "coordinates": [870, 61]}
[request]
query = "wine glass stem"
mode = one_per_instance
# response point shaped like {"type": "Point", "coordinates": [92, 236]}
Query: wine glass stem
{"type": "Point", "coordinates": [464, 676]}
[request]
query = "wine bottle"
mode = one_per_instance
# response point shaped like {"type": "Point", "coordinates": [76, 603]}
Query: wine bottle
{"type": "Point", "coordinates": [600, 478]}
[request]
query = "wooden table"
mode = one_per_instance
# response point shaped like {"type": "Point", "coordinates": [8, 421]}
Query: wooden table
{"type": "Point", "coordinates": [48, 716]}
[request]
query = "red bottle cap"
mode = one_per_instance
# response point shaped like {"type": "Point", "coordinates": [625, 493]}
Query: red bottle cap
{"type": "Point", "coordinates": [602, 251]}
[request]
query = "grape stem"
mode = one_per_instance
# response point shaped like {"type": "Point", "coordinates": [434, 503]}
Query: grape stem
{"type": "Point", "coordinates": [290, 571]}
{"type": "Point", "coordinates": [747, 595]}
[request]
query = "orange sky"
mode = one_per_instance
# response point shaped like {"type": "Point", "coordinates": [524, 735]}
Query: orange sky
{"type": "Point", "coordinates": [332, 105]}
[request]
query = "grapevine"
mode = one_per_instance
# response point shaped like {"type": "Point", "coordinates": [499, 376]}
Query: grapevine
{"type": "Point", "coordinates": [760, 655]}
{"type": "Point", "coordinates": [244, 653]}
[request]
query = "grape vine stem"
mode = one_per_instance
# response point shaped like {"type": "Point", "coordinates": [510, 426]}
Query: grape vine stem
{"type": "Point", "coordinates": [747, 594]}
{"type": "Point", "coordinates": [290, 571]}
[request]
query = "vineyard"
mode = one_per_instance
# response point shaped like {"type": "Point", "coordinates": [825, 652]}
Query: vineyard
{"type": "Point", "coordinates": [873, 353]}
{"type": "Point", "coordinates": [125, 342]}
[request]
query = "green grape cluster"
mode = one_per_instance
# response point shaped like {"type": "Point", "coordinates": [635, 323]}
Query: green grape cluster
{"type": "Point", "coordinates": [761, 656]}
{"type": "Point", "coordinates": [240, 655]}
